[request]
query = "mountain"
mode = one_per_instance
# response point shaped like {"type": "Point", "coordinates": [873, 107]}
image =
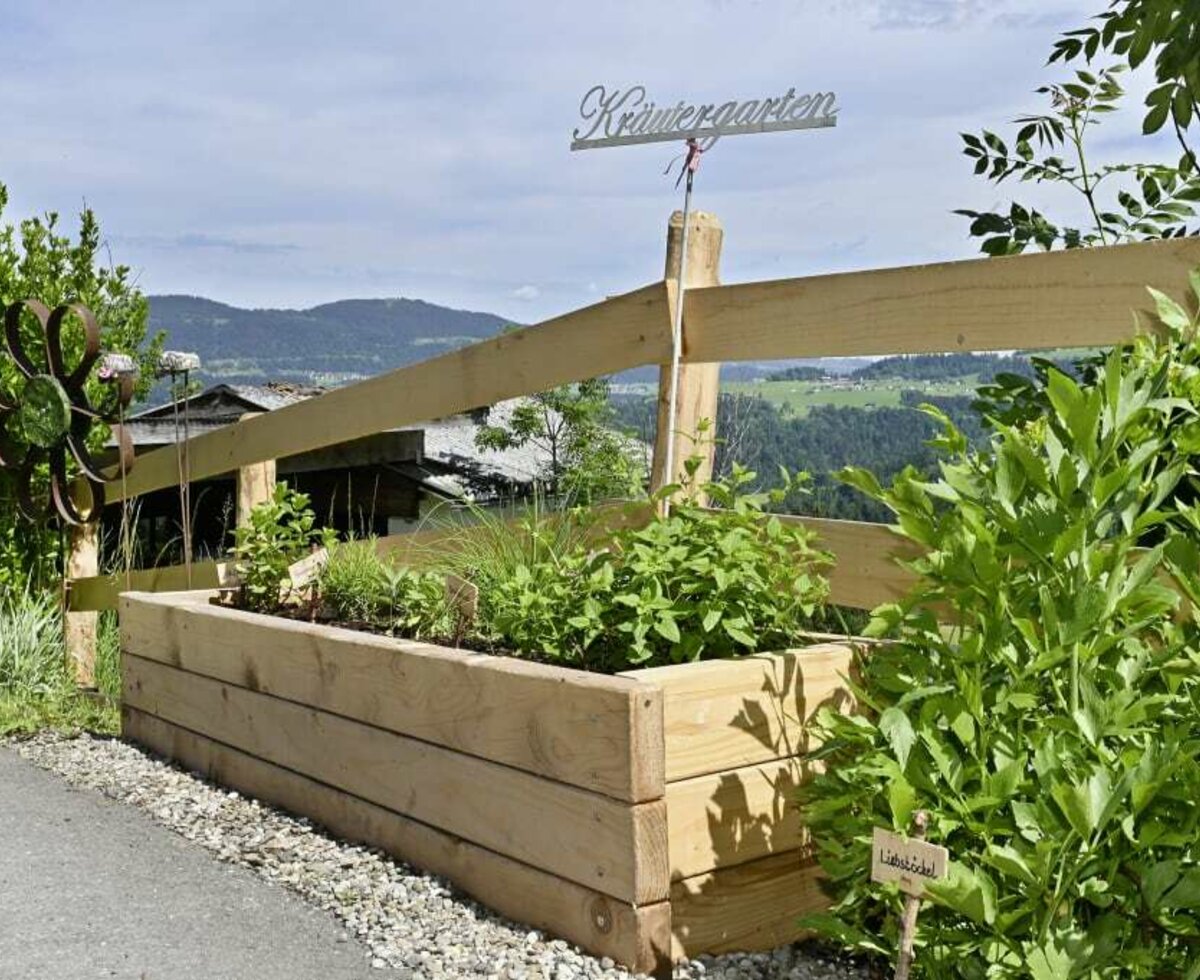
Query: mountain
{"type": "Point", "coordinates": [341, 342]}
{"type": "Point", "coordinates": [329, 344]}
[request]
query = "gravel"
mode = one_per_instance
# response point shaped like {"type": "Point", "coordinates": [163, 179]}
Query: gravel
{"type": "Point", "coordinates": [416, 925]}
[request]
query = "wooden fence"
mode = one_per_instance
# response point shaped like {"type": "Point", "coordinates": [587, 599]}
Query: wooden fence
{"type": "Point", "coordinates": [1063, 299]}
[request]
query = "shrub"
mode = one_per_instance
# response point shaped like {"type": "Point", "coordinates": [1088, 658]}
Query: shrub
{"type": "Point", "coordinates": [1052, 730]}
{"type": "Point", "coordinates": [281, 531]}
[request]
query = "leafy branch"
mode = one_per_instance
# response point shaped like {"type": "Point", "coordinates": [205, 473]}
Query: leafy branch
{"type": "Point", "coordinates": [1151, 200]}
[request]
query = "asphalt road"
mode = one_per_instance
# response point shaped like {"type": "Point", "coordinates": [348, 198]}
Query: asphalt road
{"type": "Point", "coordinates": [92, 888]}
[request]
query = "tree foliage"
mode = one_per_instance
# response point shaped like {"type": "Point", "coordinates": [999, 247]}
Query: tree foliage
{"type": "Point", "coordinates": [1139, 31]}
{"type": "Point", "coordinates": [573, 427]}
{"type": "Point", "coordinates": [38, 260]}
{"type": "Point", "coordinates": [1124, 202]}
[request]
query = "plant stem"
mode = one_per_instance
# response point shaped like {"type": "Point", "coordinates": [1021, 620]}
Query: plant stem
{"type": "Point", "coordinates": [1077, 140]}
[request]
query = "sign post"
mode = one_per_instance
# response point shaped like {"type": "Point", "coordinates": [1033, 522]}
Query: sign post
{"type": "Point", "coordinates": [910, 862]}
{"type": "Point", "coordinates": [624, 117]}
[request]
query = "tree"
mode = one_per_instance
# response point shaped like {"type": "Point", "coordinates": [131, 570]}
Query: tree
{"type": "Point", "coordinates": [587, 459]}
{"type": "Point", "coordinates": [39, 261]}
{"type": "Point", "coordinates": [1137, 30]}
{"type": "Point", "coordinates": [1124, 201]}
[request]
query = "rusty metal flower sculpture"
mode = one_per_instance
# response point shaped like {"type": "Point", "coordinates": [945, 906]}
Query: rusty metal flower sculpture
{"type": "Point", "coordinates": [51, 417]}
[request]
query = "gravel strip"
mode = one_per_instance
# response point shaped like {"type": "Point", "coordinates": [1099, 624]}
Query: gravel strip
{"type": "Point", "coordinates": [414, 923]}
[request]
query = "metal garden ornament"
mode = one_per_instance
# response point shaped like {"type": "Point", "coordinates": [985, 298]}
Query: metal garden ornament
{"type": "Point", "coordinates": [50, 418]}
{"type": "Point", "coordinates": [623, 117]}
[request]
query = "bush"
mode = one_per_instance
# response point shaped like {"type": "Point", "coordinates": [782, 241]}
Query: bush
{"type": "Point", "coordinates": [1053, 730]}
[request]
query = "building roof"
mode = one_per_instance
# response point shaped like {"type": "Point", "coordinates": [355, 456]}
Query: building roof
{"type": "Point", "coordinates": [449, 461]}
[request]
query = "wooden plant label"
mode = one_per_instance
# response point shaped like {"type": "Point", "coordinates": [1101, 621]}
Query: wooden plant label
{"type": "Point", "coordinates": [305, 571]}
{"type": "Point", "coordinates": [909, 862]}
{"type": "Point", "coordinates": [463, 597]}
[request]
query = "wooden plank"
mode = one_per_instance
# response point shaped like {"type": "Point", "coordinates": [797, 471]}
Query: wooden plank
{"type": "Point", "coordinates": [636, 936]}
{"type": "Point", "coordinates": [81, 629]}
{"type": "Point", "coordinates": [749, 908]}
{"type": "Point", "coordinates": [1082, 297]}
{"type": "Point", "coordinates": [733, 817]}
{"type": "Point", "coordinates": [866, 572]}
{"type": "Point", "coordinates": [726, 714]}
{"type": "Point", "coordinates": [864, 575]}
{"type": "Point", "coordinates": [99, 592]}
{"type": "Point", "coordinates": [616, 848]}
{"type": "Point", "coordinates": [697, 385]}
{"type": "Point", "coordinates": [597, 732]}
{"type": "Point", "coordinates": [615, 334]}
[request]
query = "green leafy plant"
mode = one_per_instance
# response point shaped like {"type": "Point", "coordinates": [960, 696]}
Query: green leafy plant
{"type": "Point", "coordinates": [691, 584]}
{"type": "Point", "coordinates": [37, 687]}
{"type": "Point", "coordinates": [1163, 31]}
{"type": "Point", "coordinates": [280, 532]}
{"type": "Point", "coordinates": [1041, 696]}
{"type": "Point", "coordinates": [361, 586]}
{"type": "Point", "coordinates": [39, 261]}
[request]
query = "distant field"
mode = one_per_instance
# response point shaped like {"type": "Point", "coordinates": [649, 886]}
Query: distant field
{"type": "Point", "coordinates": [801, 396]}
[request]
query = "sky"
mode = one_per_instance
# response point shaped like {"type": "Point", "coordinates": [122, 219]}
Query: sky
{"type": "Point", "coordinates": [285, 154]}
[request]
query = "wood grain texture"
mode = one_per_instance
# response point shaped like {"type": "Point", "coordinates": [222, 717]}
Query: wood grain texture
{"type": "Point", "coordinates": [747, 908]}
{"type": "Point", "coordinates": [81, 629]}
{"type": "Point", "coordinates": [615, 334]}
{"type": "Point", "coordinates": [1075, 298]}
{"type": "Point", "coordinates": [697, 385]}
{"type": "Point", "coordinates": [98, 592]}
{"type": "Point", "coordinates": [636, 936]}
{"type": "Point", "coordinates": [726, 714]}
{"type": "Point", "coordinates": [616, 848]}
{"type": "Point", "coordinates": [733, 817]}
{"type": "Point", "coordinates": [866, 570]}
{"type": "Point", "coordinates": [601, 733]}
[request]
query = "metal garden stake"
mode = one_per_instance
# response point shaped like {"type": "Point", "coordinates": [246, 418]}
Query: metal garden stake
{"type": "Point", "coordinates": [622, 117]}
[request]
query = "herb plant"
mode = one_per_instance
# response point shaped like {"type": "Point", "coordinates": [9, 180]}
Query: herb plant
{"type": "Point", "coordinates": [281, 531]}
{"type": "Point", "coordinates": [689, 585]}
{"type": "Point", "coordinates": [1052, 729]}
{"type": "Point", "coordinates": [360, 586]}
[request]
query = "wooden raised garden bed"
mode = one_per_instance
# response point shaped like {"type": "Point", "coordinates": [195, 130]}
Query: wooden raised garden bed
{"type": "Point", "coordinates": [646, 816]}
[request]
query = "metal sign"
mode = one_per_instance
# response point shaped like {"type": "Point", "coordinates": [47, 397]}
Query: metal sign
{"type": "Point", "coordinates": [622, 117]}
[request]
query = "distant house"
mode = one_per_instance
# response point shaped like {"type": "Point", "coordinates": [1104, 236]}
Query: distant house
{"type": "Point", "coordinates": [381, 484]}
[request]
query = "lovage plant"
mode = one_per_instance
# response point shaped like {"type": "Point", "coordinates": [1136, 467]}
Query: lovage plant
{"type": "Point", "coordinates": [1041, 696]}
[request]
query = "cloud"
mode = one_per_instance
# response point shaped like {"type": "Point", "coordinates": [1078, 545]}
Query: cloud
{"type": "Point", "coordinates": [292, 152]}
{"type": "Point", "coordinates": [195, 240]}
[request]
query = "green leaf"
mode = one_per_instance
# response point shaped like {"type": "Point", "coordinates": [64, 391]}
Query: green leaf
{"type": "Point", "coordinates": [898, 730]}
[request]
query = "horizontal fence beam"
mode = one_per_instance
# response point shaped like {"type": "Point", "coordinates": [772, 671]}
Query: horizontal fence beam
{"type": "Point", "coordinates": [865, 572]}
{"type": "Point", "coordinates": [619, 333]}
{"type": "Point", "coordinates": [99, 592]}
{"type": "Point", "coordinates": [1078, 298]}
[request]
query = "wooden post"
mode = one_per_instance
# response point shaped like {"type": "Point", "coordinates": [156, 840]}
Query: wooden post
{"type": "Point", "coordinates": [697, 391]}
{"type": "Point", "coordinates": [80, 628]}
{"type": "Point", "coordinates": [255, 483]}
{"type": "Point", "coordinates": [912, 905]}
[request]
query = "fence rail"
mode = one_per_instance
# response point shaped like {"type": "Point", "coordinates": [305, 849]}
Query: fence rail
{"type": "Point", "coordinates": [1066, 299]}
